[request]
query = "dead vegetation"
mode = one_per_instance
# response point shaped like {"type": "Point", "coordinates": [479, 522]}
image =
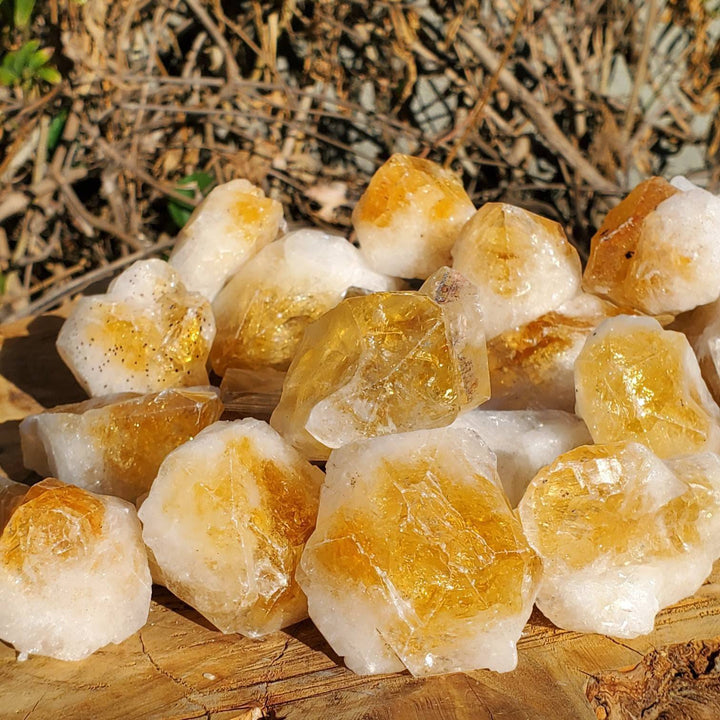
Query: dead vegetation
{"type": "Point", "coordinates": [556, 106]}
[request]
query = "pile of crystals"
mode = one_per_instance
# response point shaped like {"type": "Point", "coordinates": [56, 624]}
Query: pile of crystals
{"type": "Point", "coordinates": [512, 432]}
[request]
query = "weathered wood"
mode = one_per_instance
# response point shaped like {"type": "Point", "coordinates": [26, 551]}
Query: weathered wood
{"type": "Point", "coordinates": [178, 667]}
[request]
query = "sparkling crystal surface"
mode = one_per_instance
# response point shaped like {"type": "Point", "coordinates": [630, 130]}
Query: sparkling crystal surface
{"type": "Point", "coordinates": [521, 263]}
{"type": "Point", "coordinates": [621, 534]}
{"type": "Point", "coordinates": [636, 381]}
{"type": "Point", "coordinates": [417, 559]}
{"type": "Point", "coordinates": [73, 572]}
{"type": "Point", "coordinates": [391, 362]}
{"type": "Point", "coordinates": [227, 519]}
{"type": "Point", "coordinates": [409, 217]}
{"type": "Point", "coordinates": [115, 444]}
{"type": "Point", "coordinates": [145, 334]}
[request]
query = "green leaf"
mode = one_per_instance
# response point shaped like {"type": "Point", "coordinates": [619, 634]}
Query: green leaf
{"type": "Point", "coordinates": [50, 75]}
{"type": "Point", "coordinates": [23, 12]}
{"type": "Point", "coordinates": [3, 277]}
{"type": "Point", "coordinates": [39, 58]}
{"type": "Point", "coordinates": [179, 211]}
{"type": "Point", "coordinates": [57, 125]}
{"type": "Point", "coordinates": [22, 56]}
{"type": "Point", "coordinates": [7, 77]}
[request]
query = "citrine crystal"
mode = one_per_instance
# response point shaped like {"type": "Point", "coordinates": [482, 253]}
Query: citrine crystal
{"type": "Point", "coordinates": [531, 366]}
{"type": "Point", "coordinates": [227, 519]}
{"type": "Point", "coordinates": [409, 217]}
{"type": "Point", "coordinates": [657, 251]}
{"type": "Point", "coordinates": [145, 334]}
{"type": "Point", "coordinates": [115, 444]}
{"type": "Point", "coordinates": [417, 559]}
{"type": "Point", "coordinates": [383, 363]}
{"type": "Point", "coordinates": [73, 572]}
{"type": "Point", "coordinates": [262, 312]}
{"type": "Point", "coordinates": [521, 263]}
{"type": "Point", "coordinates": [621, 534]}
{"type": "Point", "coordinates": [636, 381]}
{"type": "Point", "coordinates": [11, 495]}
{"type": "Point", "coordinates": [702, 328]}
{"type": "Point", "coordinates": [233, 222]}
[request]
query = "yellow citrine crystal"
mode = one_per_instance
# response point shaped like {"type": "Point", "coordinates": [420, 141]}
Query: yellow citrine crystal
{"type": "Point", "coordinates": [636, 381]}
{"type": "Point", "coordinates": [115, 444]}
{"type": "Point", "coordinates": [383, 363]}
{"type": "Point", "coordinates": [417, 559]}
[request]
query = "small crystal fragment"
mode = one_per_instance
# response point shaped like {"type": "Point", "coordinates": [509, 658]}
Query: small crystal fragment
{"type": "Point", "coordinates": [531, 366]}
{"type": "Point", "coordinates": [147, 333]}
{"type": "Point", "coordinates": [114, 444]}
{"type": "Point", "coordinates": [621, 534]}
{"type": "Point", "coordinates": [636, 381]}
{"type": "Point", "coordinates": [657, 251]}
{"type": "Point", "coordinates": [525, 441]}
{"type": "Point", "coordinates": [262, 312]}
{"type": "Point", "coordinates": [226, 520]}
{"type": "Point", "coordinates": [73, 573]}
{"type": "Point", "coordinates": [417, 559]}
{"type": "Point", "coordinates": [233, 222]}
{"type": "Point", "coordinates": [409, 217]}
{"type": "Point", "coordinates": [383, 363]}
{"type": "Point", "coordinates": [521, 263]}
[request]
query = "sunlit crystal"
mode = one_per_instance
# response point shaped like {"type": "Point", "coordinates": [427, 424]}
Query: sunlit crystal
{"type": "Point", "coordinates": [521, 263]}
{"type": "Point", "coordinates": [525, 441]}
{"type": "Point", "coordinates": [532, 366]}
{"type": "Point", "coordinates": [145, 334]}
{"type": "Point", "coordinates": [409, 217]}
{"type": "Point", "coordinates": [658, 250]}
{"type": "Point", "coordinates": [262, 312]}
{"type": "Point", "coordinates": [621, 534]}
{"type": "Point", "coordinates": [73, 573]}
{"type": "Point", "coordinates": [636, 381]}
{"type": "Point", "coordinates": [383, 363]}
{"type": "Point", "coordinates": [234, 221]}
{"type": "Point", "coordinates": [417, 559]}
{"type": "Point", "coordinates": [227, 519]}
{"type": "Point", "coordinates": [115, 444]}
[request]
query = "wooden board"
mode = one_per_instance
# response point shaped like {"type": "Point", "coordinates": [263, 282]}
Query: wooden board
{"type": "Point", "coordinates": [179, 667]}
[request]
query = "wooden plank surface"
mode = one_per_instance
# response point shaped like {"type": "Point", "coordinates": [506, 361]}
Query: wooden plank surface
{"type": "Point", "coordinates": [179, 667]}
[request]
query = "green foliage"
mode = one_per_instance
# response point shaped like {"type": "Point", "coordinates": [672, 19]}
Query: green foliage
{"type": "Point", "coordinates": [57, 125]}
{"type": "Point", "coordinates": [23, 12]}
{"type": "Point", "coordinates": [201, 182]}
{"type": "Point", "coordinates": [28, 66]}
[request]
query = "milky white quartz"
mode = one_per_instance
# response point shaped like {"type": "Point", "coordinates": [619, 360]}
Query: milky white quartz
{"type": "Point", "coordinates": [521, 263]}
{"type": "Point", "coordinates": [525, 441]}
{"type": "Point", "coordinates": [621, 534]}
{"type": "Point", "coordinates": [226, 520]}
{"type": "Point", "coordinates": [145, 334]}
{"type": "Point", "coordinates": [417, 560]}
{"type": "Point", "coordinates": [262, 312]}
{"type": "Point", "coordinates": [233, 222]}
{"type": "Point", "coordinates": [73, 573]}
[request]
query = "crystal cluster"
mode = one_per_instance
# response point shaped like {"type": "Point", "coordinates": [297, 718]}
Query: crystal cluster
{"type": "Point", "coordinates": [115, 444]}
{"type": "Point", "coordinates": [391, 362]}
{"type": "Point", "coordinates": [147, 333]}
{"type": "Point", "coordinates": [226, 520]}
{"type": "Point", "coordinates": [409, 217]}
{"type": "Point", "coordinates": [621, 534]}
{"type": "Point", "coordinates": [73, 572]}
{"type": "Point", "coordinates": [417, 560]}
{"type": "Point", "coordinates": [262, 312]}
{"type": "Point", "coordinates": [233, 222]}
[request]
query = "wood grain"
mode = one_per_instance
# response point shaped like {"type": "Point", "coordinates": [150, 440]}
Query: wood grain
{"type": "Point", "coordinates": [178, 667]}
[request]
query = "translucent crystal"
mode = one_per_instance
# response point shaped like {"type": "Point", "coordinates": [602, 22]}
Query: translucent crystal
{"type": "Point", "coordinates": [73, 573]}
{"type": "Point", "coordinates": [409, 217]}
{"type": "Point", "coordinates": [227, 519]}
{"type": "Point", "coordinates": [11, 495]}
{"type": "Point", "coordinates": [262, 312]}
{"type": "Point", "coordinates": [234, 221]}
{"type": "Point", "coordinates": [417, 559]}
{"type": "Point", "coordinates": [636, 381]}
{"type": "Point", "coordinates": [657, 251]}
{"type": "Point", "coordinates": [521, 263]}
{"type": "Point", "coordinates": [531, 366]}
{"type": "Point", "coordinates": [525, 441]}
{"type": "Point", "coordinates": [147, 333]}
{"type": "Point", "coordinates": [702, 328]}
{"type": "Point", "coordinates": [115, 444]}
{"type": "Point", "coordinates": [389, 362]}
{"type": "Point", "coordinates": [621, 534]}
